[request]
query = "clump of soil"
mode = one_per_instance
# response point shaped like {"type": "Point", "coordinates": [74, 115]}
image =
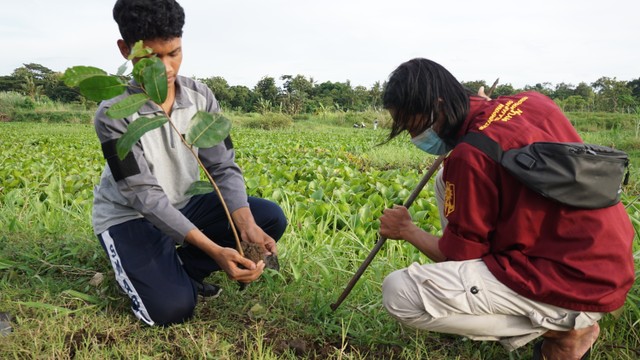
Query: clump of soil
{"type": "Point", "coordinates": [254, 253]}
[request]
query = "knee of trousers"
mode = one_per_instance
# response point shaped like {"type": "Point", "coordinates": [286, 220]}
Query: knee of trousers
{"type": "Point", "coordinates": [274, 222]}
{"type": "Point", "coordinates": [401, 298]}
{"type": "Point", "coordinates": [280, 225]}
{"type": "Point", "coordinates": [269, 216]}
{"type": "Point", "coordinates": [172, 308]}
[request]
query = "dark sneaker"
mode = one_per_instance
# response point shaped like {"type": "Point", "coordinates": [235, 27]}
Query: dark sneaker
{"type": "Point", "coordinates": [207, 290]}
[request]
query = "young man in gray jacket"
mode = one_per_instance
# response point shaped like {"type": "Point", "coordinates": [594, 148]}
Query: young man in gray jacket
{"type": "Point", "coordinates": [161, 242]}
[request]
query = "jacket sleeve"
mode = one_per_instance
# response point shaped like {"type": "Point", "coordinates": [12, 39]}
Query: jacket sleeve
{"type": "Point", "coordinates": [136, 183]}
{"type": "Point", "coordinates": [471, 205]}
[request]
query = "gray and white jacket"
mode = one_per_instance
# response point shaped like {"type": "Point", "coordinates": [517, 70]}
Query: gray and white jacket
{"type": "Point", "coordinates": [152, 180]}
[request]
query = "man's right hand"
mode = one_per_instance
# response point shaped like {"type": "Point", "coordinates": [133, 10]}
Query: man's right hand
{"type": "Point", "coordinates": [236, 266]}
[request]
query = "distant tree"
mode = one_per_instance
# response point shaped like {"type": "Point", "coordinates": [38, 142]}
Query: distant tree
{"type": "Point", "coordinates": [37, 71]}
{"type": "Point", "coordinates": [585, 91]}
{"type": "Point", "coordinates": [241, 98]}
{"type": "Point", "coordinates": [500, 90]}
{"type": "Point", "coordinates": [627, 103]}
{"type": "Point", "coordinates": [339, 95]}
{"type": "Point", "coordinates": [634, 85]}
{"type": "Point", "coordinates": [375, 95]}
{"type": "Point", "coordinates": [611, 93]}
{"type": "Point", "coordinates": [298, 84]}
{"type": "Point", "coordinates": [10, 83]}
{"type": "Point", "coordinates": [267, 90]}
{"type": "Point", "coordinates": [297, 92]}
{"type": "Point", "coordinates": [29, 86]}
{"type": "Point", "coordinates": [543, 88]}
{"type": "Point", "coordinates": [573, 103]}
{"type": "Point", "coordinates": [563, 91]}
{"type": "Point", "coordinates": [33, 78]}
{"type": "Point", "coordinates": [56, 90]}
{"type": "Point", "coordinates": [360, 98]}
{"type": "Point", "coordinates": [220, 88]}
{"type": "Point", "coordinates": [503, 90]}
{"type": "Point", "coordinates": [475, 85]}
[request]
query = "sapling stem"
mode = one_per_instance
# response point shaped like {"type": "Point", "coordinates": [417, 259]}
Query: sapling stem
{"type": "Point", "coordinates": [213, 183]}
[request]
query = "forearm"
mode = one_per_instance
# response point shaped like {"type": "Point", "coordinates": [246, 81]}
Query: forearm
{"type": "Point", "coordinates": [198, 239]}
{"type": "Point", "coordinates": [425, 242]}
{"type": "Point", "coordinates": [243, 218]}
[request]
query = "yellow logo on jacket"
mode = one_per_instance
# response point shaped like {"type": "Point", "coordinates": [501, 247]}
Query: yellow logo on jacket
{"type": "Point", "coordinates": [449, 198]}
{"type": "Point", "coordinates": [504, 112]}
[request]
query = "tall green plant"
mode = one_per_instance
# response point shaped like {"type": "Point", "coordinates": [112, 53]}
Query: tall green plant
{"type": "Point", "coordinates": [205, 129]}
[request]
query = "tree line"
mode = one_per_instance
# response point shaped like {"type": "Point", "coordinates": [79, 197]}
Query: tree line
{"type": "Point", "coordinates": [300, 94]}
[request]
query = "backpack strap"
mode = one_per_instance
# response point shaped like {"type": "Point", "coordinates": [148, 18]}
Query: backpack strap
{"type": "Point", "coordinates": [485, 144]}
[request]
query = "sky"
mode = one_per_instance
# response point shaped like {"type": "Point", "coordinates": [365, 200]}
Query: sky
{"type": "Point", "coordinates": [520, 42]}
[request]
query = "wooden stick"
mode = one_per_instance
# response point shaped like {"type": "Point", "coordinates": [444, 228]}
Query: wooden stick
{"type": "Point", "coordinates": [493, 87]}
{"type": "Point", "coordinates": [407, 204]}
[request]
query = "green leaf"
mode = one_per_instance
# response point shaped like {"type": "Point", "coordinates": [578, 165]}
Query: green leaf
{"type": "Point", "coordinates": [39, 305]}
{"type": "Point", "coordinates": [74, 75]}
{"type": "Point", "coordinates": [199, 187]}
{"type": "Point", "coordinates": [122, 69]}
{"type": "Point", "coordinates": [138, 69]}
{"type": "Point", "coordinates": [207, 130]}
{"type": "Point", "coordinates": [101, 87]}
{"type": "Point", "coordinates": [127, 106]}
{"type": "Point", "coordinates": [154, 80]}
{"type": "Point", "coordinates": [317, 195]}
{"type": "Point", "coordinates": [139, 50]}
{"type": "Point", "coordinates": [6, 264]}
{"type": "Point", "coordinates": [135, 131]}
{"type": "Point", "coordinates": [82, 296]}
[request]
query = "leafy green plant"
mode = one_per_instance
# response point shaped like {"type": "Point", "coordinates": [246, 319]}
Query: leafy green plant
{"type": "Point", "coordinates": [205, 129]}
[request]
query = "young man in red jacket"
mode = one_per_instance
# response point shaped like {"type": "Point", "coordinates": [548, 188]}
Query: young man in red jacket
{"type": "Point", "coordinates": [511, 265]}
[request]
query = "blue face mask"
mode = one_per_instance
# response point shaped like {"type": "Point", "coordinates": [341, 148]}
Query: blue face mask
{"type": "Point", "coordinates": [430, 142]}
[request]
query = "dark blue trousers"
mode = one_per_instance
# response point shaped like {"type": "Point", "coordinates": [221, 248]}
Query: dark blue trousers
{"type": "Point", "coordinates": [157, 275]}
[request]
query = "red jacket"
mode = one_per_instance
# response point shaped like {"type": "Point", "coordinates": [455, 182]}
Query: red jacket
{"type": "Point", "coordinates": [572, 258]}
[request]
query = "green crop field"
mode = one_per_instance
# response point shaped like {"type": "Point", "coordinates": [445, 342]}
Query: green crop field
{"type": "Point", "coordinates": [332, 182]}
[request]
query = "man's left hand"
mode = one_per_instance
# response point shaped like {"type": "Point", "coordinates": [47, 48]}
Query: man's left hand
{"type": "Point", "coordinates": [254, 234]}
{"type": "Point", "coordinates": [251, 232]}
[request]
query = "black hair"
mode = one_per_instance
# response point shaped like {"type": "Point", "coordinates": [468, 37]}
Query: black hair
{"type": "Point", "coordinates": [148, 19]}
{"type": "Point", "coordinates": [424, 87]}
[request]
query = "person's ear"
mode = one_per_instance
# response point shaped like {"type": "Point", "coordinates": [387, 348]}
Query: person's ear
{"type": "Point", "coordinates": [124, 48]}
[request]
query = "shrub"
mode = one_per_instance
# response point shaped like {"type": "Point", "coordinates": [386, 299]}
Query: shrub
{"type": "Point", "coordinates": [10, 102]}
{"type": "Point", "coordinates": [63, 116]}
{"type": "Point", "coordinates": [301, 116]}
{"type": "Point", "coordinates": [269, 121]}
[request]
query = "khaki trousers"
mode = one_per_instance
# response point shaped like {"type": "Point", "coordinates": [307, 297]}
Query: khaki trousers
{"type": "Point", "coordinates": [464, 298]}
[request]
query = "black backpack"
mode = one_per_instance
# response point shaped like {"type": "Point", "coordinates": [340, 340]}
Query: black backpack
{"type": "Point", "coordinates": [581, 175]}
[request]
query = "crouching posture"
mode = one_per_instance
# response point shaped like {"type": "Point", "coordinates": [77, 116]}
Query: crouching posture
{"type": "Point", "coordinates": [161, 242]}
{"type": "Point", "coordinates": [511, 265]}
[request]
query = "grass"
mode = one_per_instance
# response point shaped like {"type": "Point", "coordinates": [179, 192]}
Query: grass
{"type": "Point", "coordinates": [332, 183]}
